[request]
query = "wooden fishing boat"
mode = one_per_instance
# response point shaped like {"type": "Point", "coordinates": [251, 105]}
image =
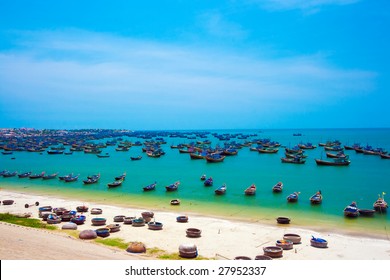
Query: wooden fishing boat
{"type": "Point", "coordinates": [193, 232]}
{"type": "Point", "coordinates": [342, 161]}
{"type": "Point", "coordinates": [98, 221]}
{"type": "Point", "coordinates": [316, 198]}
{"type": "Point", "coordinates": [65, 176]}
{"type": "Point", "coordinates": [197, 156]}
{"type": "Point", "coordinates": [296, 160]}
{"type": "Point", "coordinates": [37, 176]}
{"type": "Point", "coordinates": [106, 155]}
{"type": "Point", "coordinates": [136, 158]}
{"type": "Point", "coordinates": [150, 187]}
{"type": "Point", "coordinates": [203, 177]}
{"type": "Point", "coordinates": [50, 176]}
{"type": "Point", "coordinates": [284, 244]}
{"type": "Point", "coordinates": [385, 156]}
{"type": "Point", "coordinates": [293, 197]}
{"type": "Point", "coordinates": [230, 152]}
{"type": "Point", "coordinates": [251, 190]}
{"type": "Point", "coordinates": [10, 174]}
{"type": "Point", "coordinates": [380, 205]}
{"type": "Point", "coordinates": [24, 174]}
{"type": "Point", "coordinates": [78, 219]}
{"type": "Point", "coordinates": [266, 150]}
{"type": "Point", "coordinates": [173, 187]}
{"type": "Point", "coordinates": [337, 155]}
{"type": "Point", "coordinates": [182, 219]}
{"type": "Point", "coordinates": [215, 158]}
{"type": "Point", "coordinates": [71, 178]}
{"type": "Point", "coordinates": [92, 179]}
{"type": "Point", "coordinates": [55, 152]}
{"type": "Point", "coordinates": [273, 251]}
{"type": "Point", "coordinates": [294, 238]}
{"type": "Point", "coordinates": [114, 184]}
{"type": "Point", "coordinates": [351, 210]}
{"type": "Point", "coordinates": [221, 189]}
{"type": "Point", "coordinates": [121, 177]}
{"type": "Point", "coordinates": [278, 187]}
{"type": "Point", "coordinates": [208, 182]}
{"type": "Point", "coordinates": [307, 146]}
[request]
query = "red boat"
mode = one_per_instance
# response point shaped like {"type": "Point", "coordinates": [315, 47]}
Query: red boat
{"type": "Point", "coordinates": [251, 190]}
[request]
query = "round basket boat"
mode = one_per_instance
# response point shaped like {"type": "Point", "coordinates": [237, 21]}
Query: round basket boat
{"type": "Point", "coordinates": [136, 247]}
{"type": "Point", "coordinates": [193, 232]}
{"type": "Point", "coordinates": [140, 222]}
{"type": "Point", "coordinates": [119, 218]}
{"type": "Point", "coordinates": [175, 202]}
{"type": "Point", "coordinates": [114, 227]}
{"type": "Point", "coordinates": [128, 220]}
{"type": "Point", "coordinates": [45, 209]}
{"type": "Point", "coordinates": [294, 238]}
{"type": "Point", "coordinates": [103, 232]}
{"type": "Point", "coordinates": [53, 219]}
{"type": "Point", "coordinates": [319, 243]}
{"type": "Point", "coordinates": [263, 257]}
{"type": "Point", "coordinates": [98, 221]}
{"type": "Point", "coordinates": [44, 215]}
{"type": "Point", "coordinates": [147, 216]}
{"type": "Point", "coordinates": [188, 251]}
{"type": "Point", "coordinates": [8, 202]}
{"type": "Point", "coordinates": [242, 258]}
{"type": "Point", "coordinates": [96, 211]}
{"type": "Point", "coordinates": [284, 244]}
{"type": "Point", "coordinates": [78, 220]}
{"type": "Point", "coordinates": [283, 220]}
{"type": "Point", "coordinates": [88, 234]}
{"type": "Point", "coordinates": [70, 226]}
{"type": "Point", "coordinates": [273, 251]}
{"type": "Point", "coordinates": [182, 219]}
{"type": "Point", "coordinates": [155, 226]}
{"type": "Point", "coordinates": [59, 210]}
{"type": "Point", "coordinates": [66, 217]}
{"type": "Point", "coordinates": [82, 208]}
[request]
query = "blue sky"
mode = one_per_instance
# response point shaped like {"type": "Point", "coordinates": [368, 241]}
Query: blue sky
{"type": "Point", "coordinates": [194, 64]}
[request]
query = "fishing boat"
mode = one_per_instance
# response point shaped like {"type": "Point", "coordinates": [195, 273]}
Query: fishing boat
{"type": "Point", "coordinates": [150, 187]}
{"type": "Point", "coordinates": [208, 182]}
{"type": "Point", "coordinates": [341, 161]}
{"type": "Point", "coordinates": [278, 187]}
{"type": "Point", "coordinates": [385, 156]}
{"type": "Point", "coordinates": [92, 179]}
{"type": "Point", "coordinates": [366, 212]}
{"type": "Point", "coordinates": [106, 155]}
{"type": "Point", "coordinates": [7, 152]}
{"type": "Point", "coordinates": [215, 158]}
{"type": "Point", "coordinates": [37, 175]}
{"type": "Point", "coordinates": [293, 197]}
{"type": "Point", "coordinates": [316, 198]}
{"type": "Point", "coordinates": [136, 158]}
{"type": "Point", "coordinates": [65, 176]}
{"type": "Point", "coordinates": [50, 176]}
{"type": "Point", "coordinates": [380, 205]}
{"type": "Point", "coordinates": [307, 146]}
{"type": "Point", "coordinates": [9, 174]}
{"type": "Point", "coordinates": [172, 187]}
{"type": "Point", "coordinates": [267, 150]}
{"type": "Point", "coordinates": [71, 178]}
{"type": "Point", "coordinates": [197, 155]}
{"type": "Point", "coordinates": [251, 190]}
{"type": "Point", "coordinates": [203, 177]}
{"type": "Point", "coordinates": [24, 174]}
{"type": "Point", "coordinates": [221, 189]}
{"type": "Point", "coordinates": [230, 152]}
{"type": "Point", "coordinates": [121, 177]}
{"type": "Point", "coordinates": [155, 225]}
{"type": "Point", "coordinates": [116, 183]}
{"type": "Point", "coordinates": [337, 155]}
{"type": "Point", "coordinates": [296, 160]}
{"type": "Point", "coordinates": [351, 210]}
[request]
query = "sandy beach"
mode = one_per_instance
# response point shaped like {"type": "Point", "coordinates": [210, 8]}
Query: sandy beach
{"type": "Point", "coordinates": [220, 238]}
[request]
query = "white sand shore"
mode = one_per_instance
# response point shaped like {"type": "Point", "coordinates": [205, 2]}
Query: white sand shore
{"type": "Point", "coordinates": [220, 238]}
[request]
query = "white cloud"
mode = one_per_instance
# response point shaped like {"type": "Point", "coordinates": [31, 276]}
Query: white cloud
{"type": "Point", "coordinates": [87, 72]}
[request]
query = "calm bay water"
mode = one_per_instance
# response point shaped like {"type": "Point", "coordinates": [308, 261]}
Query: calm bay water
{"type": "Point", "coordinates": [362, 181]}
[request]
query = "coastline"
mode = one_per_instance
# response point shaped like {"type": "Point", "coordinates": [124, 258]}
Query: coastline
{"type": "Point", "coordinates": [222, 237]}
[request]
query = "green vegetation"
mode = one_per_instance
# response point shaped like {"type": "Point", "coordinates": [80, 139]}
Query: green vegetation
{"type": "Point", "coordinates": [113, 242]}
{"type": "Point", "coordinates": [27, 222]}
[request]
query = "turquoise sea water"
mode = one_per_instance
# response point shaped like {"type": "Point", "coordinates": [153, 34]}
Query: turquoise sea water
{"type": "Point", "coordinates": [362, 181]}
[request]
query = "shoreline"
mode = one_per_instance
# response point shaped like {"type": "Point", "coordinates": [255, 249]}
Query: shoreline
{"type": "Point", "coordinates": [222, 237]}
{"type": "Point", "coordinates": [350, 226]}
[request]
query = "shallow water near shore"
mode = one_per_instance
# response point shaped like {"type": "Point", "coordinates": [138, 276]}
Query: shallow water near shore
{"type": "Point", "coordinates": [362, 181]}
